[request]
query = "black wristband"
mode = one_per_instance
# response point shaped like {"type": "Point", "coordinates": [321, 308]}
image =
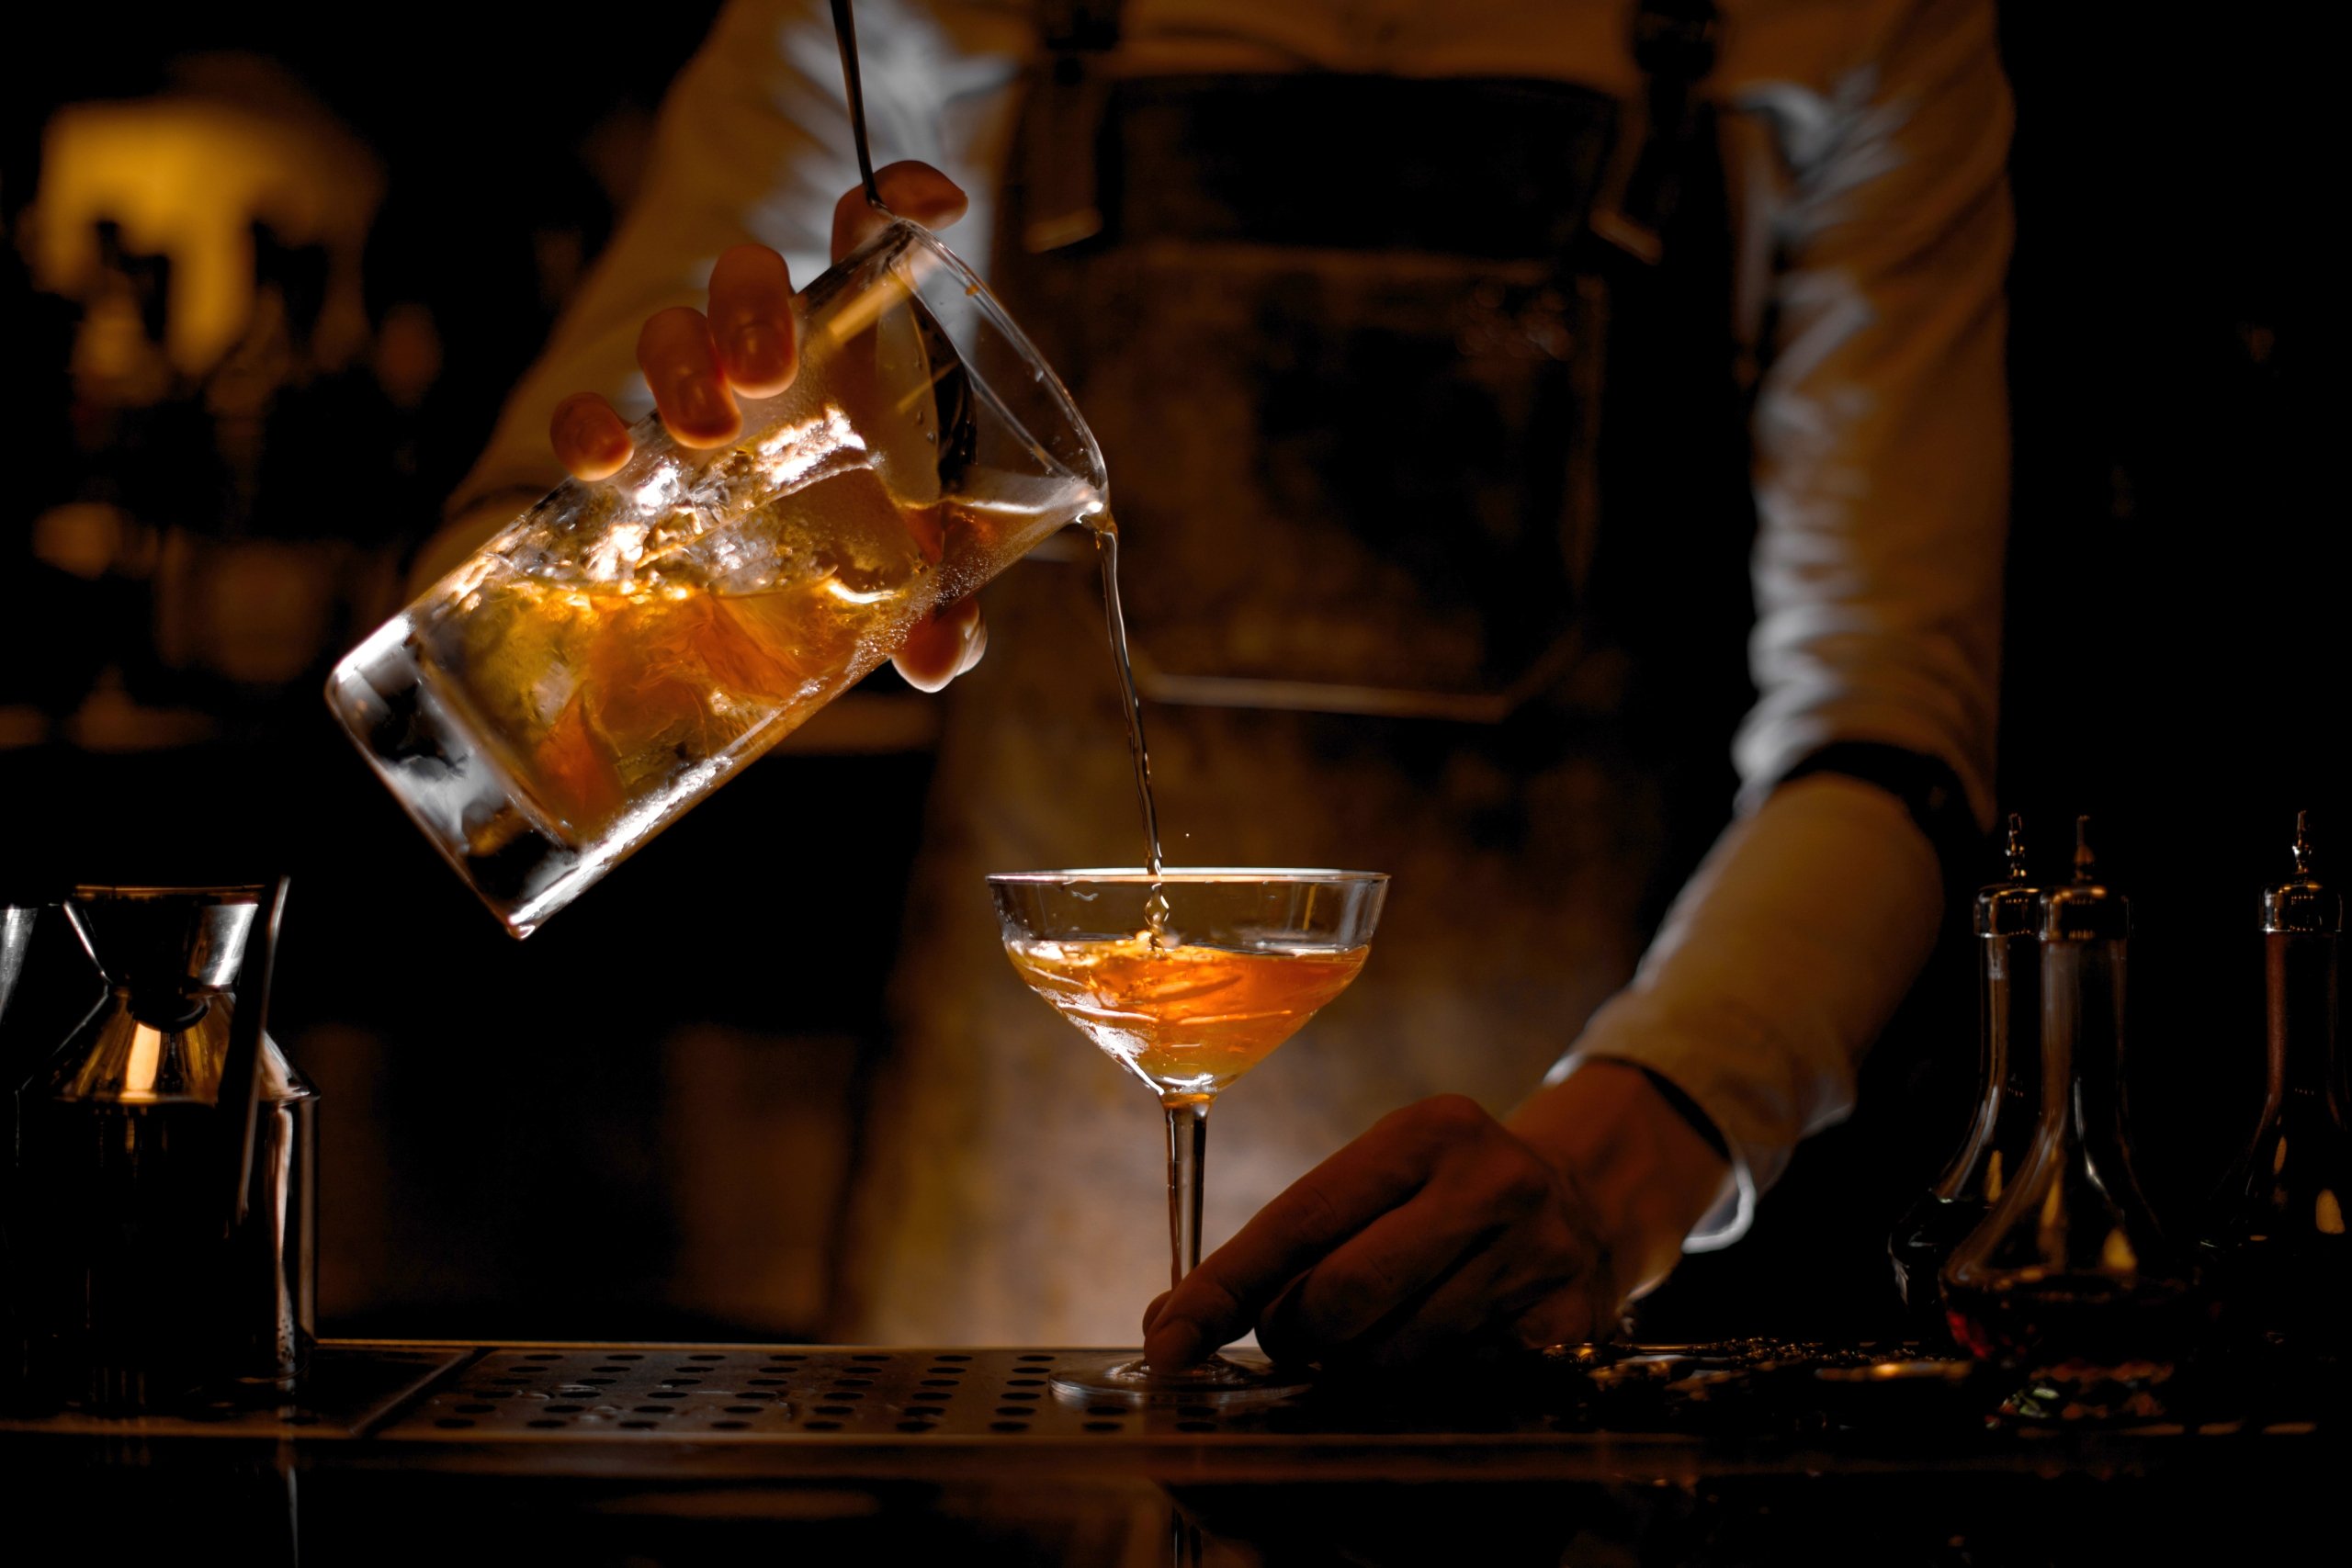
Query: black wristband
{"type": "Point", "coordinates": [1687, 1109]}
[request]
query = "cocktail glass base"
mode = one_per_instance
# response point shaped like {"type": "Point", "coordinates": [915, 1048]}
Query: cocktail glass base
{"type": "Point", "coordinates": [1235, 1377]}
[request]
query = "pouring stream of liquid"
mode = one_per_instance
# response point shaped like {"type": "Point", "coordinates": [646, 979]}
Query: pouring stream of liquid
{"type": "Point", "coordinates": [1106, 545]}
{"type": "Point", "coordinates": [1104, 527]}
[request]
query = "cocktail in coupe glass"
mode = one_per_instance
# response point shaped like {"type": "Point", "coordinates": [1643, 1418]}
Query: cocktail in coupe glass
{"type": "Point", "coordinates": [626, 645]}
{"type": "Point", "coordinates": [1187, 979]}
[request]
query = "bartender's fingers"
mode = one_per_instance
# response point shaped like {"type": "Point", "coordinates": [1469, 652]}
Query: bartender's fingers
{"type": "Point", "coordinates": [943, 646]}
{"type": "Point", "coordinates": [1287, 1335]}
{"type": "Point", "coordinates": [681, 366]}
{"type": "Point", "coordinates": [909, 190]}
{"type": "Point", "coordinates": [1311, 1217]}
{"type": "Point", "coordinates": [750, 320]}
{"type": "Point", "coordinates": [1481, 1212]}
{"type": "Point", "coordinates": [1539, 1279]}
{"type": "Point", "coordinates": [1586, 1313]}
{"type": "Point", "coordinates": [589, 439]}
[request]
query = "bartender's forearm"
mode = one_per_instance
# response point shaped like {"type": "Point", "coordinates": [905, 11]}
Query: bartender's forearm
{"type": "Point", "coordinates": [1776, 968]}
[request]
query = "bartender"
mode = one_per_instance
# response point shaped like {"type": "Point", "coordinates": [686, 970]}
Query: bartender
{"type": "Point", "coordinates": [1488, 389]}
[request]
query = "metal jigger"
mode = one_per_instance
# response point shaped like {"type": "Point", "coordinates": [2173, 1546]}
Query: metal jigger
{"type": "Point", "coordinates": [164, 1162]}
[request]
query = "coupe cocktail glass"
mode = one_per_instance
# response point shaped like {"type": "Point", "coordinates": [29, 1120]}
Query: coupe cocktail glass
{"type": "Point", "coordinates": [627, 644]}
{"type": "Point", "coordinates": [1187, 979]}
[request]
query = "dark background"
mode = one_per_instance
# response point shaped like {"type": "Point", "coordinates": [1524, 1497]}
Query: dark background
{"type": "Point", "coordinates": [2173, 652]}
{"type": "Point", "coordinates": [512, 1136]}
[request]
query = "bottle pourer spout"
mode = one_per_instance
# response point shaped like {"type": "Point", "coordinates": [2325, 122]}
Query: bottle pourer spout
{"type": "Point", "coordinates": [2084, 909]}
{"type": "Point", "coordinates": [2303, 901]}
{"type": "Point", "coordinates": [2005, 908]}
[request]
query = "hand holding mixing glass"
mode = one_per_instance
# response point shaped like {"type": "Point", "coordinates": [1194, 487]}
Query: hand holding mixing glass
{"type": "Point", "coordinates": [626, 645]}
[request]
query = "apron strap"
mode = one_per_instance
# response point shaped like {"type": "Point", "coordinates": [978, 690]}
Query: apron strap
{"type": "Point", "coordinates": [1064, 203]}
{"type": "Point", "coordinates": [1080, 25]}
{"type": "Point", "coordinates": [1674, 45]}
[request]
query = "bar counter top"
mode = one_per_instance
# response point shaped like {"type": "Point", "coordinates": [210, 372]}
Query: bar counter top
{"type": "Point", "coordinates": [1747, 1452]}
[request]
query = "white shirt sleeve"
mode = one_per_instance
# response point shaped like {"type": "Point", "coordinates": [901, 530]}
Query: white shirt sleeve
{"type": "Point", "coordinates": [753, 145]}
{"type": "Point", "coordinates": [1880, 436]}
{"type": "Point", "coordinates": [1881, 486]}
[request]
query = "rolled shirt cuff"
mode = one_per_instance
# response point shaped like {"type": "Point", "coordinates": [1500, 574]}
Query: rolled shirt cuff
{"type": "Point", "coordinates": [1779, 964]}
{"type": "Point", "coordinates": [1729, 1219]}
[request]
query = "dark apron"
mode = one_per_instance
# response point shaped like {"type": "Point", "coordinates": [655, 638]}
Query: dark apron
{"type": "Point", "coordinates": [1406, 594]}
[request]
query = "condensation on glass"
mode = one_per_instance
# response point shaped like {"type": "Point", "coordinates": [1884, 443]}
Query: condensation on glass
{"type": "Point", "coordinates": [621, 648]}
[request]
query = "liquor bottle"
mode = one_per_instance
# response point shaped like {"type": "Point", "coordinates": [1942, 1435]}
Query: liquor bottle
{"type": "Point", "coordinates": [2069, 1269]}
{"type": "Point", "coordinates": [2008, 1100]}
{"type": "Point", "coordinates": [2281, 1258]}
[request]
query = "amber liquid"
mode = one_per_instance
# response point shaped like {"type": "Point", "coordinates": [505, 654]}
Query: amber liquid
{"type": "Point", "coordinates": [1186, 1020]}
{"type": "Point", "coordinates": [602, 694]}
{"type": "Point", "coordinates": [623, 646]}
{"type": "Point", "coordinates": [2091, 1321]}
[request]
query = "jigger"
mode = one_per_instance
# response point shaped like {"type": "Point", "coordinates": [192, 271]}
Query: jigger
{"type": "Point", "coordinates": [164, 1162]}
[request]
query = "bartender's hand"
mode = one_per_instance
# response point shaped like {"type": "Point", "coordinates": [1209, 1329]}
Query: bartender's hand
{"type": "Point", "coordinates": [1443, 1228]}
{"type": "Point", "coordinates": [695, 363]}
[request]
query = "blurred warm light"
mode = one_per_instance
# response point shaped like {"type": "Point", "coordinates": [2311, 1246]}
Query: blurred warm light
{"type": "Point", "coordinates": [146, 1061]}
{"type": "Point", "coordinates": [254, 610]}
{"type": "Point", "coordinates": [86, 538]}
{"type": "Point", "coordinates": [184, 174]}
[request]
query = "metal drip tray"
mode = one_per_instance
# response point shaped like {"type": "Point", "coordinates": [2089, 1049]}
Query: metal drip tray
{"type": "Point", "coordinates": [1750, 1396]}
{"type": "Point", "coordinates": [599, 1454]}
{"type": "Point", "coordinates": [805, 1409]}
{"type": "Point", "coordinates": [349, 1390]}
{"type": "Point", "coordinates": [757, 1394]}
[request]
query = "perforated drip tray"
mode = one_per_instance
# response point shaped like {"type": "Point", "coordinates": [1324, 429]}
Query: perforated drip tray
{"type": "Point", "coordinates": [349, 1390]}
{"type": "Point", "coordinates": [764, 1393]}
{"type": "Point", "coordinates": [1735, 1401]}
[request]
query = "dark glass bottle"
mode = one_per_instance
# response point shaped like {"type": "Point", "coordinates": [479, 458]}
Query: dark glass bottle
{"type": "Point", "coordinates": [2069, 1274]}
{"type": "Point", "coordinates": [2009, 1102]}
{"type": "Point", "coordinates": [2281, 1261]}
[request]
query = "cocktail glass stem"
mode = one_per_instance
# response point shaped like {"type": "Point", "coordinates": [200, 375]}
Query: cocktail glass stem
{"type": "Point", "coordinates": [1188, 1142]}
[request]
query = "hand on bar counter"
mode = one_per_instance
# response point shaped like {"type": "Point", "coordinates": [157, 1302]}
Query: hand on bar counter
{"type": "Point", "coordinates": [1442, 1226]}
